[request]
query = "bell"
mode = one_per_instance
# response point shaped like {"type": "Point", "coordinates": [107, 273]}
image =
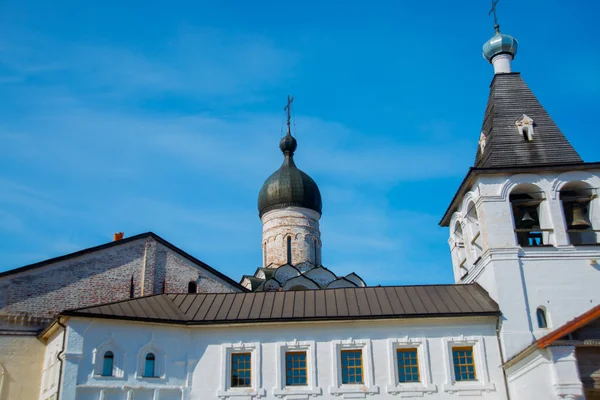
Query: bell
{"type": "Point", "coordinates": [580, 218]}
{"type": "Point", "coordinates": [527, 222]}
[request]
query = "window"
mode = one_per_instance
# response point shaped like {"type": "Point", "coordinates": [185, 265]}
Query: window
{"type": "Point", "coordinates": [108, 362]}
{"type": "Point", "coordinates": [408, 365]}
{"type": "Point", "coordinates": [352, 366]}
{"type": "Point", "coordinates": [295, 368]}
{"type": "Point", "coordinates": [541, 318]}
{"type": "Point", "coordinates": [149, 366]}
{"type": "Point", "coordinates": [464, 364]}
{"type": "Point", "coordinates": [289, 250]}
{"type": "Point", "coordinates": [241, 370]}
{"type": "Point", "coordinates": [192, 287]}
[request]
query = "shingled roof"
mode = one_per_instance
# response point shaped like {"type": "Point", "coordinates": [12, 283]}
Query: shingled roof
{"type": "Point", "coordinates": [388, 302]}
{"type": "Point", "coordinates": [509, 99]}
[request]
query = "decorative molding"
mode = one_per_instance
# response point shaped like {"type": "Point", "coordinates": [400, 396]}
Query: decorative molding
{"type": "Point", "coordinates": [297, 392]}
{"type": "Point", "coordinates": [119, 357]}
{"type": "Point", "coordinates": [352, 390]}
{"type": "Point", "coordinates": [469, 388]}
{"type": "Point", "coordinates": [409, 389]}
{"type": "Point", "coordinates": [160, 361]}
{"type": "Point", "coordinates": [255, 390]}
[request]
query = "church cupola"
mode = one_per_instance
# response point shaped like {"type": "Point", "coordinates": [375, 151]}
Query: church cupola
{"type": "Point", "coordinates": [289, 205]}
{"type": "Point", "coordinates": [501, 49]}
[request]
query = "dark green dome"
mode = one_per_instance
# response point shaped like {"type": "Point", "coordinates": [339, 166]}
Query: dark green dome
{"type": "Point", "coordinates": [288, 186]}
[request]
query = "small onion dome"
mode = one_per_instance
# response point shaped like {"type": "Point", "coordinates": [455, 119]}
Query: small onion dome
{"type": "Point", "coordinates": [288, 186]}
{"type": "Point", "coordinates": [500, 43]}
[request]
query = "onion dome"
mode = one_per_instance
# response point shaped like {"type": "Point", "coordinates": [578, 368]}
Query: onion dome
{"type": "Point", "coordinates": [288, 186]}
{"type": "Point", "coordinates": [500, 43]}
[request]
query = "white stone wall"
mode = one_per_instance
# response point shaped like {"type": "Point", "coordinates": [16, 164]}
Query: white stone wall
{"type": "Point", "coordinates": [560, 277]}
{"type": "Point", "coordinates": [196, 359]}
{"type": "Point", "coordinates": [302, 226]}
{"type": "Point", "coordinates": [549, 373]}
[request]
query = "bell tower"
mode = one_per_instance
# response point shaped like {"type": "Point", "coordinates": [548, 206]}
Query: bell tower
{"type": "Point", "coordinates": [525, 222]}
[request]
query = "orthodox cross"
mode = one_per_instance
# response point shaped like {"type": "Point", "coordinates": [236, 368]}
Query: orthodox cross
{"type": "Point", "coordinates": [288, 109]}
{"type": "Point", "coordinates": [493, 10]}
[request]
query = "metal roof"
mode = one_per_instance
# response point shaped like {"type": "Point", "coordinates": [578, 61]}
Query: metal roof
{"type": "Point", "coordinates": [311, 305]}
{"type": "Point", "coordinates": [509, 99]}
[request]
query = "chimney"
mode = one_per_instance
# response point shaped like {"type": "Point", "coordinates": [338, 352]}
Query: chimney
{"type": "Point", "coordinates": [118, 236]}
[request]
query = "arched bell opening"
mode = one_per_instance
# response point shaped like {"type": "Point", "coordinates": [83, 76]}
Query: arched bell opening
{"type": "Point", "coordinates": [458, 251]}
{"type": "Point", "coordinates": [530, 217]}
{"type": "Point", "coordinates": [475, 241]}
{"type": "Point", "coordinates": [579, 202]}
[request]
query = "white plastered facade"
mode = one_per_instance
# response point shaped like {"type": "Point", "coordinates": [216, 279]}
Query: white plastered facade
{"type": "Point", "coordinates": [197, 359]}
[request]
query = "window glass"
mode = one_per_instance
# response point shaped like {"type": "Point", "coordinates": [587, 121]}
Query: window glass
{"type": "Point", "coordinates": [149, 365]}
{"type": "Point", "coordinates": [352, 366]}
{"type": "Point", "coordinates": [241, 369]}
{"type": "Point", "coordinates": [541, 318]}
{"type": "Point", "coordinates": [108, 362]}
{"type": "Point", "coordinates": [464, 364]}
{"type": "Point", "coordinates": [408, 365]}
{"type": "Point", "coordinates": [295, 368]}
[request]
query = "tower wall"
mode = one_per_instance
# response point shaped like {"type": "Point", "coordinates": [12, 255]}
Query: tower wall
{"type": "Point", "coordinates": [559, 277]}
{"type": "Point", "coordinates": [299, 224]}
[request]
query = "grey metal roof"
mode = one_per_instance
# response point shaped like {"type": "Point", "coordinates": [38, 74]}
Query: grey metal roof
{"type": "Point", "coordinates": [509, 99]}
{"type": "Point", "coordinates": [388, 302]}
{"type": "Point", "coordinates": [288, 186]}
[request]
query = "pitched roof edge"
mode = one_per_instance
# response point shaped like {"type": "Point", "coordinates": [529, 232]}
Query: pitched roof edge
{"type": "Point", "coordinates": [121, 242]}
{"type": "Point", "coordinates": [280, 320]}
{"type": "Point", "coordinates": [76, 254]}
{"type": "Point", "coordinates": [569, 327]}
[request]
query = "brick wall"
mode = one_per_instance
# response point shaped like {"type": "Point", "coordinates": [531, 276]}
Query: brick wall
{"type": "Point", "coordinates": [103, 276]}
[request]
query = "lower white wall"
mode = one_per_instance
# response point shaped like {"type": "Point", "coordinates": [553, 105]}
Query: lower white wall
{"type": "Point", "coordinates": [549, 373]}
{"type": "Point", "coordinates": [195, 358]}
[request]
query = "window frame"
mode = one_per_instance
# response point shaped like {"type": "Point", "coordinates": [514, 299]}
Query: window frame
{"type": "Point", "coordinates": [231, 377]}
{"type": "Point", "coordinates": [368, 386]}
{"type": "Point", "coordinates": [353, 367]}
{"type": "Point", "coordinates": [255, 389]}
{"type": "Point", "coordinates": [473, 364]}
{"type": "Point", "coordinates": [416, 389]}
{"type": "Point", "coordinates": [153, 359]}
{"type": "Point", "coordinates": [160, 362]}
{"type": "Point", "coordinates": [311, 388]}
{"type": "Point", "coordinates": [305, 369]}
{"type": "Point", "coordinates": [482, 381]}
{"type": "Point", "coordinates": [118, 360]}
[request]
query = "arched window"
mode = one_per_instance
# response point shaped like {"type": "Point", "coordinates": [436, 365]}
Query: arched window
{"type": "Point", "coordinates": [192, 287]}
{"type": "Point", "coordinates": [526, 203]}
{"type": "Point", "coordinates": [458, 250]}
{"type": "Point", "coordinates": [108, 363]}
{"type": "Point", "coordinates": [577, 200]}
{"type": "Point", "coordinates": [541, 318]}
{"type": "Point", "coordinates": [149, 365]}
{"type": "Point", "coordinates": [289, 250]}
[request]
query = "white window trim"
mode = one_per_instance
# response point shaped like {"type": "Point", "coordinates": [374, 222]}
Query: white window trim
{"type": "Point", "coordinates": [118, 360]}
{"type": "Point", "coordinates": [348, 390]}
{"type": "Point", "coordinates": [160, 362]}
{"type": "Point", "coordinates": [411, 389]}
{"type": "Point", "coordinates": [482, 383]}
{"type": "Point", "coordinates": [255, 390]}
{"type": "Point", "coordinates": [311, 388]}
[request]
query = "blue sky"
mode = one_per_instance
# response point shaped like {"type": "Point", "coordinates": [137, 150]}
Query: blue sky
{"type": "Point", "coordinates": [166, 116]}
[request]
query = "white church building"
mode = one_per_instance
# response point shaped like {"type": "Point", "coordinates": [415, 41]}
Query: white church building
{"type": "Point", "coordinates": [140, 319]}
